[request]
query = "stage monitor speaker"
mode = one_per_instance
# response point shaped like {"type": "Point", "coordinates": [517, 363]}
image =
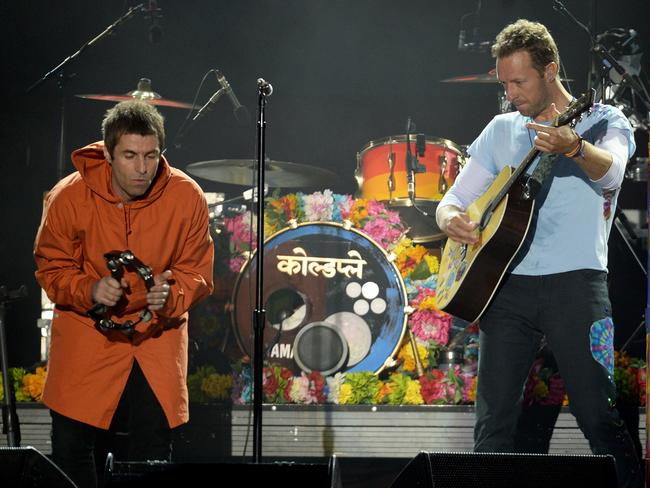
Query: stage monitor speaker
{"type": "Point", "coordinates": [284, 474]}
{"type": "Point", "coordinates": [502, 470]}
{"type": "Point", "coordinates": [26, 467]}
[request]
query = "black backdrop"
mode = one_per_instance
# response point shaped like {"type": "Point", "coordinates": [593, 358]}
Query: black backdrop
{"type": "Point", "coordinates": [345, 72]}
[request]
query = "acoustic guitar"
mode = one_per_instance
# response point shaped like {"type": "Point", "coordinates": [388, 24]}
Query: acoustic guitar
{"type": "Point", "coordinates": [470, 274]}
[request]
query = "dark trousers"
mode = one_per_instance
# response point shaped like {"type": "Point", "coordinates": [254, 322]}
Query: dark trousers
{"type": "Point", "coordinates": [570, 310]}
{"type": "Point", "coordinates": [149, 435]}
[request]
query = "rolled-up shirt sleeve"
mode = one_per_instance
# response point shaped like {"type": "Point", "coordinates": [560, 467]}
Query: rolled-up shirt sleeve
{"type": "Point", "coordinates": [615, 142]}
{"type": "Point", "coordinates": [470, 184]}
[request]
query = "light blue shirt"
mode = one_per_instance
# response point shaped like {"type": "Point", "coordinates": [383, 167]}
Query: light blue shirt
{"type": "Point", "coordinates": [574, 214]}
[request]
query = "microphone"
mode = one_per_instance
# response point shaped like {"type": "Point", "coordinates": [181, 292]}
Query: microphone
{"type": "Point", "coordinates": [208, 105]}
{"type": "Point", "coordinates": [153, 14]}
{"type": "Point", "coordinates": [264, 87]}
{"type": "Point", "coordinates": [241, 112]}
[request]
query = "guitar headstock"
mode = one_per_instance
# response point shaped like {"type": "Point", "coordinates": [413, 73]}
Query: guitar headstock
{"type": "Point", "coordinates": [576, 109]}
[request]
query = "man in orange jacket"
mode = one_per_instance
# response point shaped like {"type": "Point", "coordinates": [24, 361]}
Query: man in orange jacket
{"type": "Point", "coordinates": [123, 196]}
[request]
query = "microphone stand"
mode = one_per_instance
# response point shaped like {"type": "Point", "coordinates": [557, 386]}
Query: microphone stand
{"type": "Point", "coordinates": [259, 314]}
{"type": "Point", "coordinates": [61, 76]}
{"type": "Point", "coordinates": [607, 60]}
{"type": "Point", "coordinates": [10, 422]}
{"type": "Point", "coordinates": [412, 166]}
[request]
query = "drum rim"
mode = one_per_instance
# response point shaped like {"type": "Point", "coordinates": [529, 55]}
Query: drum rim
{"type": "Point", "coordinates": [401, 138]}
{"type": "Point", "coordinates": [390, 260]}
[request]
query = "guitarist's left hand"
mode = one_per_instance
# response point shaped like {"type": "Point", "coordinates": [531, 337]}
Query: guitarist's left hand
{"type": "Point", "coordinates": [549, 139]}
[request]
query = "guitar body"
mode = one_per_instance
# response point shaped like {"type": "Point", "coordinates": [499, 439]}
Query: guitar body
{"type": "Point", "coordinates": [470, 274]}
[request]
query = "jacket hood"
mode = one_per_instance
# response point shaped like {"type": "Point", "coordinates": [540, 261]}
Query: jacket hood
{"type": "Point", "coordinates": [97, 174]}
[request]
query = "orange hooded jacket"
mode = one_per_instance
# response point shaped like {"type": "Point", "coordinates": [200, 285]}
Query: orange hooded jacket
{"type": "Point", "coordinates": [167, 229]}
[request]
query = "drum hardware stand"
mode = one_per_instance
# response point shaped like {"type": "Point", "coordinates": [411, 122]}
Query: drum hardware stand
{"type": "Point", "coordinates": [442, 183]}
{"type": "Point", "coordinates": [416, 355]}
{"type": "Point", "coordinates": [10, 422]}
{"type": "Point", "coordinates": [264, 91]}
{"type": "Point", "coordinates": [59, 71]}
{"type": "Point", "coordinates": [391, 167]}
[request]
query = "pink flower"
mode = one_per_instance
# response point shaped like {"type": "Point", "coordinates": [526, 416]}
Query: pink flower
{"type": "Point", "coordinates": [468, 379]}
{"type": "Point", "coordinates": [430, 325]}
{"type": "Point", "coordinates": [375, 208]}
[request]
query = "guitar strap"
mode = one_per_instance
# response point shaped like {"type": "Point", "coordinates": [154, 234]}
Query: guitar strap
{"type": "Point", "coordinates": [541, 172]}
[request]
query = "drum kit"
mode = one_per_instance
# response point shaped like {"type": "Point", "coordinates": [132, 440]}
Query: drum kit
{"type": "Point", "coordinates": [334, 299]}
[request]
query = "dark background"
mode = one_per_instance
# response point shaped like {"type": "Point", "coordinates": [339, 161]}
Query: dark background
{"type": "Point", "coordinates": [345, 72]}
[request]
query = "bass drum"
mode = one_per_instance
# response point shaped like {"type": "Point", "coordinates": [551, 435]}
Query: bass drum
{"type": "Point", "coordinates": [334, 301]}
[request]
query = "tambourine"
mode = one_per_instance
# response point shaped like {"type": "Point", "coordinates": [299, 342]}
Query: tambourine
{"type": "Point", "coordinates": [116, 261]}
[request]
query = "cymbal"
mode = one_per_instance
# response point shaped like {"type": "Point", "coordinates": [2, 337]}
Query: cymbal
{"type": "Point", "coordinates": [489, 77]}
{"type": "Point", "coordinates": [143, 92]}
{"type": "Point", "coordinates": [278, 174]}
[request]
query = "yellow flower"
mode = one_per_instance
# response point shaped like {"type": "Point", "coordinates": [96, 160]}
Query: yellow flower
{"type": "Point", "coordinates": [33, 384]}
{"type": "Point", "coordinates": [472, 389]}
{"type": "Point", "coordinates": [413, 395]}
{"type": "Point", "coordinates": [540, 390]}
{"type": "Point", "coordinates": [402, 245]}
{"type": "Point", "coordinates": [345, 393]}
{"type": "Point", "coordinates": [269, 228]}
{"type": "Point", "coordinates": [406, 355]}
{"type": "Point", "coordinates": [429, 303]}
{"type": "Point", "coordinates": [432, 262]}
{"type": "Point", "coordinates": [409, 258]}
{"type": "Point", "coordinates": [217, 386]}
{"type": "Point", "coordinates": [359, 211]}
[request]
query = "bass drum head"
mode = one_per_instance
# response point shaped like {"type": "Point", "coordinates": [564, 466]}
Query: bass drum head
{"type": "Point", "coordinates": [334, 301]}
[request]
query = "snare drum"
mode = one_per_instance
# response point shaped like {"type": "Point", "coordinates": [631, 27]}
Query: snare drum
{"type": "Point", "coordinates": [334, 301]}
{"type": "Point", "coordinates": [381, 175]}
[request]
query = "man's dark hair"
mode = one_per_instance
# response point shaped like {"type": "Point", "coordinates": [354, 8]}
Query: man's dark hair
{"type": "Point", "coordinates": [524, 35]}
{"type": "Point", "coordinates": [132, 117]}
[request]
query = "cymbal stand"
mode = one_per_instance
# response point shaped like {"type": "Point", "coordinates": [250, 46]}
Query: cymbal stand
{"type": "Point", "coordinates": [259, 314]}
{"type": "Point", "coordinates": [10, 423]}
{"type": "Point", "coordinates": [59, 72]}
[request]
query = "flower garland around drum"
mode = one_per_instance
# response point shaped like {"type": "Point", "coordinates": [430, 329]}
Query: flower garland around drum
{"type": "Point", "coordinates": [430, 327]}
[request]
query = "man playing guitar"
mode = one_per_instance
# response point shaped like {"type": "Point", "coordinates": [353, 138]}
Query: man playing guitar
{"type": "Point", "coordinates": [555, 286]}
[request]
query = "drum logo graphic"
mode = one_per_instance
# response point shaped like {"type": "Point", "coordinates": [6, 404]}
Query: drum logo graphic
{"type": "Point", "coordinates": [334, 301]}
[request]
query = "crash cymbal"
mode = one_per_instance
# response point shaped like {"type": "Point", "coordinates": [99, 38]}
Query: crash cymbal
{"type": "Point", "coordinates": [143, 92]}
{"type": "Point", "coordinates": [489, 77]}
{"type": "Point", "coordinates": [278, 174]}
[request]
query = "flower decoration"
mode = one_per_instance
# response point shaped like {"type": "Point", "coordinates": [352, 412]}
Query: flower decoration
{"type": "Point", "coordinates": [360, 388]}
{"type": "Point", "coordinates": [28, 387]}
{"type": "Point", "coordinates": [629, 376]}
{"type": "Point", "coordinates": [242, 384]}
{"type": "Point", "coordinates": [277, 383]}
{"type": "Point", "coordinates": [406, 357]}
{"type": "Point", "coordinates": [241, 229]}
{"type": "Point", "coordinates": [544, 385]}
{"type": "Point", "coordinates": [205, 385]}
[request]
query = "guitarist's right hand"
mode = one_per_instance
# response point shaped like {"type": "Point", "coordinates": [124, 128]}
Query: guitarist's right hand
{"type": "Point", "coordinates": [456, 224]}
